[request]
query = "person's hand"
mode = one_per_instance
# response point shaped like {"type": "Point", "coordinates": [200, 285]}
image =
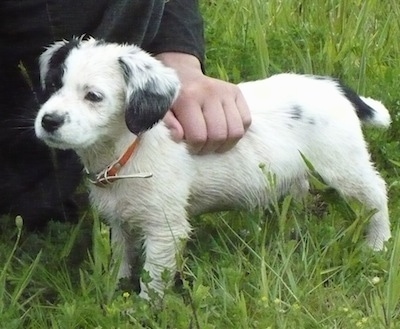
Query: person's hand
{"type": "Point", "coordinates": [211, 115]}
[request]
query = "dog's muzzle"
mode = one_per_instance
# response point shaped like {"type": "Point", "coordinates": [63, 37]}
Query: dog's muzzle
{"type": "Point", "coordinates": [51, 122]}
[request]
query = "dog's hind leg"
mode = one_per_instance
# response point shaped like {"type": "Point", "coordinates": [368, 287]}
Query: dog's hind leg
{"type": "Point", "coordinates": [355, 177]}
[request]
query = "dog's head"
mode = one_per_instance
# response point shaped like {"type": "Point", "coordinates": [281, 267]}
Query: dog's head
{"type": "Point", "coordinates": [93, 88]}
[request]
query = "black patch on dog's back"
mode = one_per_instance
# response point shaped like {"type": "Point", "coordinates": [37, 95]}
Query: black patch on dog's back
{"type": "Point", "coordinates": [53, 79]}
{"type": "Point", "coordinates": [296, 112]}
{"type": "Point", "coordinates": [363, 110]}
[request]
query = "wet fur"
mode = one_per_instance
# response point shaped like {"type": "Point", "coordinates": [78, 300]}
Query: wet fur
{"type": "Point", "coordinates": [108, 94]}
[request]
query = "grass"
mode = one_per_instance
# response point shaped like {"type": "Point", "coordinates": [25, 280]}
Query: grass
{"type": "Point", "coordinates": [299, 265]}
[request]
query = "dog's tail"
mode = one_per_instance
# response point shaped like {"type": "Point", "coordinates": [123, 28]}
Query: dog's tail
{"type": "Point", "coordinates": [373, 112]}
{"type": "Point", "coordinates": [369, 110]}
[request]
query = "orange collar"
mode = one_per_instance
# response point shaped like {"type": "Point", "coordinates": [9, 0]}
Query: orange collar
{"type": "Point", "coordinates": [110, 174]}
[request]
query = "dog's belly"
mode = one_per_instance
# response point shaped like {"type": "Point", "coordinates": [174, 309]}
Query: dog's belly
{"type": "Point", "coordinates": [206, 201]}
{"type": "Point", "coordinates": [243, 189]}
{"type": "Point", "coordinates": [252, 174]}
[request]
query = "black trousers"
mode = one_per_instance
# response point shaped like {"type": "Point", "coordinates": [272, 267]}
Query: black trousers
{"type": "Point", "coordinates": [35, 182]}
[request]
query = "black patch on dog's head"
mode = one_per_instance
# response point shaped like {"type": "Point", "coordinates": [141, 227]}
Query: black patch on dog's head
{"type": "Point", "coordinates": [53, 79]}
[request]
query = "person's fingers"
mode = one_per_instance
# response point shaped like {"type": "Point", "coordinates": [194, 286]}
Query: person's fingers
{"type": "Point", "coordinates": [190, 116]}
{"type": "Point", "coordinates": [216, 126]}
{"type": "Point", "coordinates": [243, 109]}
{"type": "Point", "coordinates": [210, 115]}
{"type": "Point", "coordinates": [176, 129]}
{"type": "Point", "coordinates": [238, 119]}
{"type": "Point", "coordinates": [235, 127]}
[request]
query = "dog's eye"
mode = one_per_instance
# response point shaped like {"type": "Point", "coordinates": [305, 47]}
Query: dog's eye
{"type": "Point", "coordinates": [95, 97]}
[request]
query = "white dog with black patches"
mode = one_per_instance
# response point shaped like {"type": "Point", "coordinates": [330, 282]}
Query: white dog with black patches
{"type": "Point", "coordinates": [106, 102]}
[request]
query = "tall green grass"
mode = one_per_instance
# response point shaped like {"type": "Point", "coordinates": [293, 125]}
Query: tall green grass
{"type": "Point", "coordinates": [299, 265]}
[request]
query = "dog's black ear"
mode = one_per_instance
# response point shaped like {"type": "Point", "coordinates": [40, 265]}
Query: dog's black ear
{"type": "Point", "coordinates": [151, 89]}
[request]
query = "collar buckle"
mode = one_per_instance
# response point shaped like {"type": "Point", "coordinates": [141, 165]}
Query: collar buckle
{"type": "Point", "coordinates": [104, 178]}
{"type": "Point", "coordinates": [110, 174]}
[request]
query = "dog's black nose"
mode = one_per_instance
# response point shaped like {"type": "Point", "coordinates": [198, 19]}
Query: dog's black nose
{"type": "Point", "coordinates": [51, 122]}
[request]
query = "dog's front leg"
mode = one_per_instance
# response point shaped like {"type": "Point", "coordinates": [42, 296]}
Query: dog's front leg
{"type": "Point", "coordinates": [125, 247]}
{"type": "Point", "coordinates": [162, 247]}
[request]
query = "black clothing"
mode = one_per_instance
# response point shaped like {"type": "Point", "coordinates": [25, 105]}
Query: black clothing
{"type": "Point", "coordinates": [37, 182]}
{"type": "Point", "coordinates": [27, 26]}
